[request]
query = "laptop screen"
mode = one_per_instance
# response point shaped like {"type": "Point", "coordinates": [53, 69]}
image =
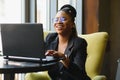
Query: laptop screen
{"type": "Point", "coordinates": [23, 40]}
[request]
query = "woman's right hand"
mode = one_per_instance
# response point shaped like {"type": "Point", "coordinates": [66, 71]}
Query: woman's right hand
{"type": "Point", "coordinates": [54, 53]}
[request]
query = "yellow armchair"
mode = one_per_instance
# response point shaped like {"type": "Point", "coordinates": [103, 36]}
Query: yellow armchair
{"type": "Point", "coordinates": [95, 49]}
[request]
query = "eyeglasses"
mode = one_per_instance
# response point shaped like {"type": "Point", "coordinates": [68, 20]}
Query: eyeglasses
{"type": "Point", "coordinates": [61, 19]}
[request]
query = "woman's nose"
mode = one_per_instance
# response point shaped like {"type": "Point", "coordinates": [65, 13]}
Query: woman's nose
{"type": "Point", "coordinates": [59, 21]}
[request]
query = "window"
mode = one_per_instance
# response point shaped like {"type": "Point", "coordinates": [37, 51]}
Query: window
{"type": "Point", "coordinates": [47, 9]}
{"type": "Point", "coordinates": [10, 11]}
{"type": "Point", "coordinates": [78, 5]}
{"type": "Point", "coordinates": [43, 13]}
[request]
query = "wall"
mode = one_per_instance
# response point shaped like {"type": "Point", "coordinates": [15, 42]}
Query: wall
{"type": "Point", "coordinates": [115, 36]}
{"type": "Point", "coordinates": [90, 21]}
{"type": "Point", "coordinates": [109, 19]}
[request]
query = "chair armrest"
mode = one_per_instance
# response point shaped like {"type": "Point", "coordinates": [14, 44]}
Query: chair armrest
{"type": "Point", "coordinates": [100, 77]}
{"type": "Point", "coordinates": [44, 76]}
{"type": "Point", "coordinates": [37, 76]}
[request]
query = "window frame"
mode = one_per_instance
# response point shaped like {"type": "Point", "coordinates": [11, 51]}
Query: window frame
{"type": "Point", "coordinates": [78, 5]}
{"type": "Point", "coordinates": [52, 8]}
{"type": "Point", "coordinates": [29, 11]}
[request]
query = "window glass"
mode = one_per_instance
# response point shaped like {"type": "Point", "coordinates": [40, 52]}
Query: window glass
{"type": "Point", "coordinates": [10, 11]}
{"type": "Point", "coordinates": [46, 11]}
{"type": "Point", "coordinates": [42, 13]}
{"type": "Point", "coordinates": [62, 2]}
{"type": "Point", "coordinates": [78, 6]}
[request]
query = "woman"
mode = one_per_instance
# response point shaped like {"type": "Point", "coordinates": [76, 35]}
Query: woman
{"type": "Point", "coordinates": [67, 45]}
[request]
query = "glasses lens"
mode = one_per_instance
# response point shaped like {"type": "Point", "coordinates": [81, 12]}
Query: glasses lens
{"type": "Point", "coordinates": [61, 19]}
{"type": "Point", "coordinates": [55, 20]}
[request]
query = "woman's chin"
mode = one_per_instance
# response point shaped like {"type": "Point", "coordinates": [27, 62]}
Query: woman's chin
{"type": "Point", "coordinates": [59, 31]}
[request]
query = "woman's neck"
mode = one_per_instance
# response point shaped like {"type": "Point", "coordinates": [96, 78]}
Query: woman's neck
{"type": "Point", "coordinates": [63, 42]}
{"type": "Point", "coordinates": [63, 38]}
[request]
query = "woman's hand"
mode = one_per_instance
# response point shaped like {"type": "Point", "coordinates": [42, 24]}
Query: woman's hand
{"type": "Point", "coordinates": [54, 53]}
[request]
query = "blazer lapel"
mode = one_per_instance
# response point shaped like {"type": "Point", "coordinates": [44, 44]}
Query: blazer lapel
{"type": "Point", "coordinates": [54, 44]}
{"type": "Point", "coordinates": [69, 48]}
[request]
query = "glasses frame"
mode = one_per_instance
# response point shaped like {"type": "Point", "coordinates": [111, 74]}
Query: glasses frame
{"type": "Point", "coordinates": [60, 19]}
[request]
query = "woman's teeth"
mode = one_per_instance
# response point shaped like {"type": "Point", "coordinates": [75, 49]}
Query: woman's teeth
{"type": "Point", "coordinates": [59, 27]}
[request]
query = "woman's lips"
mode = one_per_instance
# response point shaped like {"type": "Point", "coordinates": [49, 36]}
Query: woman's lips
{"type": "Point", "coordinates": [59, 27]}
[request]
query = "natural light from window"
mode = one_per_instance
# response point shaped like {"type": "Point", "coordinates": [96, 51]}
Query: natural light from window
{"type": "Point", "coordinates": [42, 13]}
{"type": "Point", "coordinates": [10, 11]}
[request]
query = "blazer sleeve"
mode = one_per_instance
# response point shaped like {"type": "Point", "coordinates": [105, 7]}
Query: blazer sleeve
{"type": "Point", "coordinates": [49, 39]}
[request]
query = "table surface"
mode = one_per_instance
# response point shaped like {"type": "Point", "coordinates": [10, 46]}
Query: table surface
{"type": "Point", "coordinates": [8, 67]}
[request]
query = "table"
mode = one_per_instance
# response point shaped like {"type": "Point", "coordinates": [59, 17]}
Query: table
{"type": "Point", "coordinates": [9, 68]}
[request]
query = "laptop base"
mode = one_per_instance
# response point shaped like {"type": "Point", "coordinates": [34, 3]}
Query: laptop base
{"type": "Point", "coordinates": [33, 60]}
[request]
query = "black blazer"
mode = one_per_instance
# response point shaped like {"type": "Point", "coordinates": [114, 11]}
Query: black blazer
{"type": "Point", "coordinates": [76, 51]}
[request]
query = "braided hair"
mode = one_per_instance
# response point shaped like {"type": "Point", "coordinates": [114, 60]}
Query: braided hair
{"type": "Point", "coordinates": [71, 11]}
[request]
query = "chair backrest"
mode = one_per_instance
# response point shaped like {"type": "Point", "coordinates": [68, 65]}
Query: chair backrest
{"type": "Point", "coordinates": [95, 49]}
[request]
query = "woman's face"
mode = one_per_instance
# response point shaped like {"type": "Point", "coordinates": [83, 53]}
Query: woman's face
{"type": "Point", "coordinates": [63, 23]}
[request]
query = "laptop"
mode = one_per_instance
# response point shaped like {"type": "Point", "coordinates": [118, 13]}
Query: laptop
{"type": "Point", "coordinates": [24, 42]}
